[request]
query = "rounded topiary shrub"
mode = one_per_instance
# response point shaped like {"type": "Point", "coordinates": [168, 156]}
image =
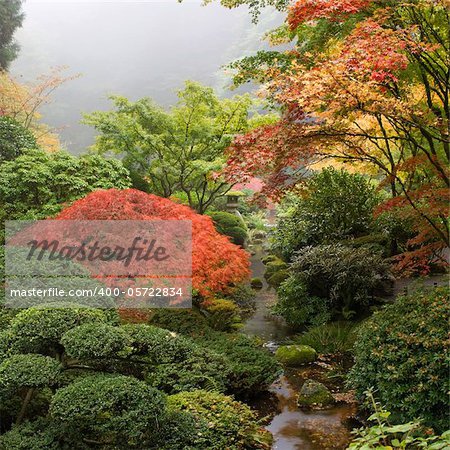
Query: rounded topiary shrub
{"type": "Point", "coordinates": [109, 410]}
{"type": "Point", "coordinates": [230, 225]}
{"type": "Point", "coordinates": [403, 353]}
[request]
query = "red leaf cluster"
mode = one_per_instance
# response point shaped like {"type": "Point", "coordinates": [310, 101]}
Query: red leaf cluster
{"type": "Point", "coordinates": [336, 10]}
{"type": "Point", "coordinates": [217, 264]}
{"type": "Point", "coordinates": [375, 52]}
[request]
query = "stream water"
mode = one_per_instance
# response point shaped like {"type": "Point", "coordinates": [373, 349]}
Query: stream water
{"type": "Point", "coordinates": [293, 428]}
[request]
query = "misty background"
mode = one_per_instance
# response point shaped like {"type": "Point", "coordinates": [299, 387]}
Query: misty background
{"type": "Point", "coordinates": [136, 49]}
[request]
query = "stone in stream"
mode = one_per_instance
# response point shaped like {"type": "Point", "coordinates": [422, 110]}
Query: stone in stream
{"type": "Point", "coordinates": [314, 393]}
{"type": "Point", "coordinates": [295, 355]}
{"type": "Point", "coordinates": [256, 283]}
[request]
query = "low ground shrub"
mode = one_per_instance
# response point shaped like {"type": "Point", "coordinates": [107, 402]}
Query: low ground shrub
{"type": "Point", "coordinates": [185, 321]}
{"type": "Point", "coordinates": [252, 368]}
{"type": "Point", "coordinates": [231, 424]}
{"type": "Point", "coordinates": [222, 315]}
{"type": "Point", "coordinates": [403, 353]}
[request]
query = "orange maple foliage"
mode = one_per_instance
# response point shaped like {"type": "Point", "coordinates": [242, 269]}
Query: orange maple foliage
{"type": "Point", "coordinates": [376, 97]}
{"type": "Point", "coordinates": [217, 264]}
{"type": "Point", "coordinates": [23, 101]}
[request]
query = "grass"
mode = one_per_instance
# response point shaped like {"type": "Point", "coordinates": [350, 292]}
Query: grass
{"type": "Point", "coordinates": [331, 338]}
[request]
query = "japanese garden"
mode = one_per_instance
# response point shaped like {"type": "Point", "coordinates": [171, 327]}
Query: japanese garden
{"type": "Point", "coordinates": [311, 161]}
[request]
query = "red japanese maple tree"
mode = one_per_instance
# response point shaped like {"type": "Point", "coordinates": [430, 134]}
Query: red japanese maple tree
{"type": "Point", "coordinates": [217, 264]}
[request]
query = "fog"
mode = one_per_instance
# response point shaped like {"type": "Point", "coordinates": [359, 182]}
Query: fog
{"type": "Point", "coordinates": [134, 49]}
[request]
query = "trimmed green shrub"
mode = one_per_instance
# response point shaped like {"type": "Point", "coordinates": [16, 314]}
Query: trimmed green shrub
{"type": "Point", "coordinates": [40, 329]}
{"type": "Point", "coordinates": [222, 315]}
{"type": "Point", "coordinates": [403, 353]}
{"type": "Point", "coordinates": [249, 369]}
{"type": "Point", "coordinates": [230, 225]}
{"type": "Point", "coordinates": [29, 371]}
{"type": "Point", "coordinates": [256, 283]}
{"type": "Point", "coordinates": [158, 345]}
{"type": "Point", "coordinates": [231, 425]}
{"type": "Point", "coordinates": [37, 435]}
{"type": "Point", "coordinates": [96, 340]}
{"type": "Point", "coordinates": [182, 431]}
{"type": "Point", "coordinates": [238, 235]}
{"type": "Point", "coordinates": [276, 279]}
{"type": "Point", "coordinates": [109, 410]}
{"type": "Point", "coordinates": [225, 220]}
{"type": "Point", "coordinates": [269, 258]}
{"type": "Point", "coordinates": [184, 321]}
{"type": "Point", "coordinates": [200, 369]}
{"type": "Point", "coordinates": [273, 266]}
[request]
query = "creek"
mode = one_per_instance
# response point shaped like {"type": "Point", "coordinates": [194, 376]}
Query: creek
{"type": "Point", "coordinates": [292, 427]}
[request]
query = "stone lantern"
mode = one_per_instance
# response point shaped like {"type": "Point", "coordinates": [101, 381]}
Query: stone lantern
{"type": "Point", "coordinates": [233, 200]}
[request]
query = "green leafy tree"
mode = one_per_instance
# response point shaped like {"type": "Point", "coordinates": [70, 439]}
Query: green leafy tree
{"type": "Point", "coordinates": [333, 205]}
{"type": "Point", "coordinates": [181, 150]}
{"type": "Point", "coordinates": [11, 18]}
{"type": "Point", "coordinates": [14, 139]}
{"type": "Point", "coordinates": [36, 184]}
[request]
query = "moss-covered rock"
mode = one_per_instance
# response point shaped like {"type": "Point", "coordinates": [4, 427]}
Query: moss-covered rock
{"type": "Point", "coordinates": [269, 258]}
{"type": "Point", "coordinates": [256, 283]}
{"type": "Point", "coordinates": [273, 266]}
{"type": "Point", "coordinates": [314, 393]}
{"type": "Point", "coordinates": [295, 355]}
{"type": "Point", "coordinates": [277, 278]}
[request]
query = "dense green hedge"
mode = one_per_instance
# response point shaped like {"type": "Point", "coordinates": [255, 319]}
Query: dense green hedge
{"type": "Point", "coordinates": [250, 368]}
{"type": "Point", "coordinates": [230, 225]}
{"type": "Point", "coordinates": [75, 378]}
{"type": "Point", "coordinates": [403, 353]}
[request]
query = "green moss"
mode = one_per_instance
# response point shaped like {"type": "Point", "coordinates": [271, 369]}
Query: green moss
{"type": "Point", "coordinates": [314, 393]}
{"type": "Point", "coordinates": [256, 283]}
{"type": "Point", "coordinates": [295, 355]}
{"type": "Point", "coordinates": [274, 266]}
{"type": "Point", "coordinates": [269, 258]}
{"type": "Point", "coordinates": [278, 277]}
